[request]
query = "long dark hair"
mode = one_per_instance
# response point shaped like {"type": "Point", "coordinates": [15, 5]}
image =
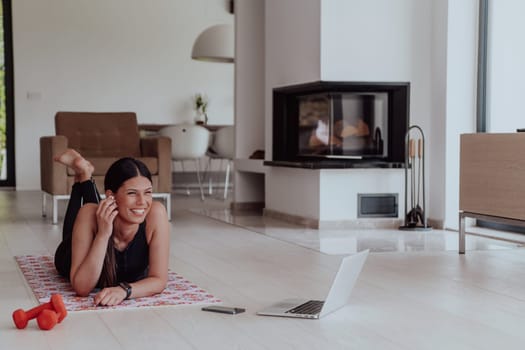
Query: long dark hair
{"type": "Point", "coordinates": [118, 173]}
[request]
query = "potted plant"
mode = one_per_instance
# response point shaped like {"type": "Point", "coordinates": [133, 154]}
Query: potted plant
{"type": "Point", "coordinates": [200, 104]}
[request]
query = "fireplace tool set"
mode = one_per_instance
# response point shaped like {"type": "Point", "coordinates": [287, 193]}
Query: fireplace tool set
{"type": "Point", "coordinates": [415, 217]}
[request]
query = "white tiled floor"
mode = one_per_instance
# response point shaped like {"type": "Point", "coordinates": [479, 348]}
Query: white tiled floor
{"type": "Point", "coordinates": [415, 291]}
{"type": "Point", "coordinates": [349, 241]}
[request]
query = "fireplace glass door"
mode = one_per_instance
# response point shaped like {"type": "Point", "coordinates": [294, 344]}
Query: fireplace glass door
{"type": "Point", "coordinates": [345, 125]}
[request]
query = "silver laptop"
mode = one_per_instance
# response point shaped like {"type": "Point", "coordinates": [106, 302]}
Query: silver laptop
{"type": "Point", "coordinates": [338, 296]}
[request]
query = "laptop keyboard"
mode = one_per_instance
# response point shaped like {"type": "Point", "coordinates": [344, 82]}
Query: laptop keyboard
{"type": "Point", "coordinates": [311, 307]}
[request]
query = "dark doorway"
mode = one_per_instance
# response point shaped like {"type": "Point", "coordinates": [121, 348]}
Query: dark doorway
{"type": "Point", "coordinates": [7, 148]}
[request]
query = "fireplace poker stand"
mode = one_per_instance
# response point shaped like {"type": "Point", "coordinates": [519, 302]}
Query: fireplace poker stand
{"type": "Point", "coordinates": [415, 217]}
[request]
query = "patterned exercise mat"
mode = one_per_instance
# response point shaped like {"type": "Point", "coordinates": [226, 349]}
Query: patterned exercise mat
{"type": "Point", "coordinates": [44, 280]}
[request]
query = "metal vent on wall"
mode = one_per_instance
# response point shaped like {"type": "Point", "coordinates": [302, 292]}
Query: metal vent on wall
{"type": "Point", "coordinates": [377, 205]}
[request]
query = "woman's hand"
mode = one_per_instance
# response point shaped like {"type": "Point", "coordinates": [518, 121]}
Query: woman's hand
{"type": "Point", "coordinates": [110, 296]}
{"type": "Point", "coordinates": [106, 213]}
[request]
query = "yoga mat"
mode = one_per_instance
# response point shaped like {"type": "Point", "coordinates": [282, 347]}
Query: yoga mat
{"type": "Point", "coordinates": [44, 280]}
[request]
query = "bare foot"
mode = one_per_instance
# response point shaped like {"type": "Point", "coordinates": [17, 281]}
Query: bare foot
{"type": "Point", "coordinates": [83, 169]}
{"type": "Point", "coordinates": [68, 157]}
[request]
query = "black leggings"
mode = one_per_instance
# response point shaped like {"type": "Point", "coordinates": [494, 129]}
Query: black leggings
{"type": "Point", "coordinates": [81, 193]}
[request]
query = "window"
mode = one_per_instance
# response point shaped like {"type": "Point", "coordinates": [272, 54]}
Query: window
{"type": "Point", "coordinates": [505, 61]}
{"type": "Point", "coordinates": [501, 73]}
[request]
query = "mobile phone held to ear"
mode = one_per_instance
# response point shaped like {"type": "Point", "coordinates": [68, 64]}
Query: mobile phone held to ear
{"type": "Point", "coordinates": [224, 309]}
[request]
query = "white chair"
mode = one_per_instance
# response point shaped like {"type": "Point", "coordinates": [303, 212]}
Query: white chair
{"type": "Point", "coordinates": [222, 148]}
{"type": "Point", "coordinates": [188, 142]}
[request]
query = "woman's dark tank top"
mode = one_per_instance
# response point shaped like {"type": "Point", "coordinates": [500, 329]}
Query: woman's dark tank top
{"type": "Point", "coordinates": [133, 262]}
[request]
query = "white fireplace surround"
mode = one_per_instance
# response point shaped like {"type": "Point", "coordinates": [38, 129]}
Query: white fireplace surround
{"type": "Point", "coordinates": [328, 198]}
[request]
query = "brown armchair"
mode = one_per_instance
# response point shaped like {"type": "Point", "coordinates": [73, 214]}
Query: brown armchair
{"type": "Point", "coordinates": [101, 138]}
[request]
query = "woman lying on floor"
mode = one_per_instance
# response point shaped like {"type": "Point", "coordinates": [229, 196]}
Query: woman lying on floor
{"type": "Point", "coordinates": [119, 244]}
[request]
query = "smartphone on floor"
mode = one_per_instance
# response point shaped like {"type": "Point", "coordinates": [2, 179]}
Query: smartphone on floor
{"type": "Point", "coordinates": [224, 309]}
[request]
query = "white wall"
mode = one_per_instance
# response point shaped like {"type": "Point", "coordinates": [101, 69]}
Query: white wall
{"type": "Point", "coordinates": [461, 75]}
{"type": "Point", "coordinates": [454, 69]}
{"type": "Point", "coordinates": [356, 35]}
{"type": "Point", "coordinates": [292, 55]}
{"type": "Point", "coordinates": [436, 152]}
{"type": "Point", "coordinates": [111, 55]}
{"type": "Point", "coordinates": [249, 95]}
{"type": "Point", "coordinates": [294, 192]}
{"type": "Point", "coordinates": [249, 74]}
